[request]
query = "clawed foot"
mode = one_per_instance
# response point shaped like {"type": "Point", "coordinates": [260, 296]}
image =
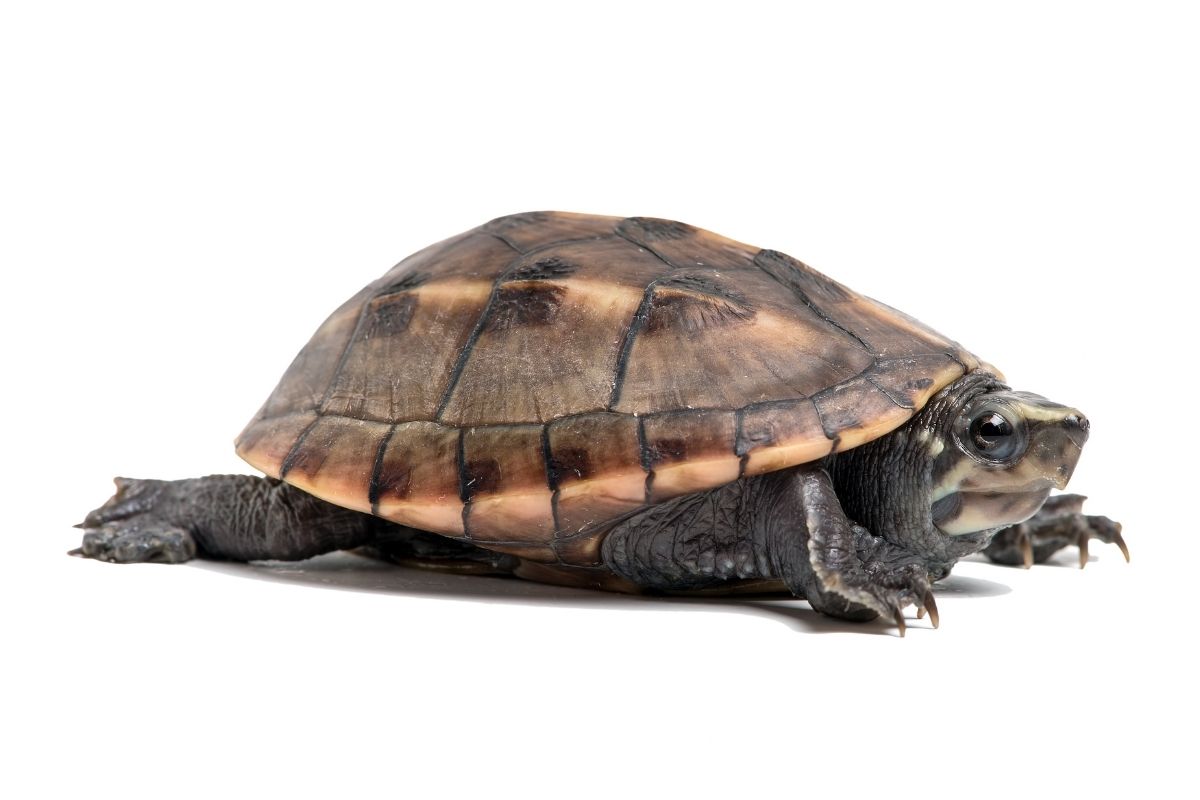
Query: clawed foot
{"type": "Point", "coordinates": [125, 530]}
{"type": "Point", "coordinates": [1060, 523]}
{"type": "Point", "coordinates": [880, 581]}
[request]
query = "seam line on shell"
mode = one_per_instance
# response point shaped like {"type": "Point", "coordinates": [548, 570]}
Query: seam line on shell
{"type": "Point", "coordinates": [377, 469]}
{"type": "Point", "coordinates": [803, 297]}
{"type": "Point", "coordinates": [642, 246]}
{"type": "Point", "coordinates": [871, 380]}
{"type": "Point", "coordinates": [833, 437]}
{"type": "Point", "coordinates": [739, 419]}
{"type": "Point", "coordinates": [505, 240]}
{"type": "Point", "coordinates": [551, 477]}
{"type": "Point", "coordinates": [644, 456]}
{"type": "Point", "coordinates": [345, 356]}
{"type": "Point", "coordinates": [649, 415]}
{"type": "Point", "coordinates": [635, 326]}
{"type": "Point", "coordinates": [289, 460]}
{"type": "Point", "coordinates": [460, 455]}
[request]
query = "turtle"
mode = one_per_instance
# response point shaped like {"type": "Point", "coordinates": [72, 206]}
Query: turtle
{"type": "Point", "coordinates": [635, 405]}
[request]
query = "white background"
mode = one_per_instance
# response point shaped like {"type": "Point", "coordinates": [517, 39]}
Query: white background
{"type": "Point", "coordinates": [186, 193]}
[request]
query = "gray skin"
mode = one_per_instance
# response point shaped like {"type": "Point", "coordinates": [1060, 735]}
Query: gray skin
{"type": "Point", "coordinates": [859, 534]}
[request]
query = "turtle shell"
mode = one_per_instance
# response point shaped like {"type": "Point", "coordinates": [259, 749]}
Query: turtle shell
{"type": "Point", "coordinates": [522, 384]}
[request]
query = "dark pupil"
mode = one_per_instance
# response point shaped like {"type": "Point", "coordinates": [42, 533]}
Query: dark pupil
{"type": "Point", "coordinates": [990, 430]}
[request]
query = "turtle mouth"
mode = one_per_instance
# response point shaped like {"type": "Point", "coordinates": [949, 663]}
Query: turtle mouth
{"type": "Point", "coordinates": [972, 511]}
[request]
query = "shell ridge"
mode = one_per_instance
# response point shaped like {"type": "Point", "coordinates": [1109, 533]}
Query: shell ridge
{"type": "Point", "coordinates": [504, 240]}
{"type": "Point", "coordinates": [803, 297]}
{"type": "Point", "coordinates": [643, 246]}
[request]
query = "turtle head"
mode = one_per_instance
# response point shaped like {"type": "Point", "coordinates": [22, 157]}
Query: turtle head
{"type": "Point", "coordinates": [1001, 454]}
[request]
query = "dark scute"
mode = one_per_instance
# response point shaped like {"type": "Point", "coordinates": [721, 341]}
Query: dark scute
{"type": "Point", "coordinates": [391, 481]}
{"type": "Point", "coordinates": [706, 285]}
{"type": "Point", "coordinates": [481, 476]}
{"type": "Point", "coordinates": [544, 269]}
{"type": "Point", "coordinates": [690, 314]}
{"type": "Point", "coordinates": [517, 306]}
{"type": "Point", "coordinates": [661, 450]}
{"type": "Point", "coordinates": [410, 281]}
{"type": "Point", "coordinates": [390, 317]}
{"type": "Point", "coordinates": [649, 229]}
{"type": "Point", "coordinates": [799, 276]}
{"type": "Point", "coordinates": [568, 462]}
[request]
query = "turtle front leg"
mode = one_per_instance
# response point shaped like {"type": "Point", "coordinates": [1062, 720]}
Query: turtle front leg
{"type": "Point", "coordinates": [786, 527]}
{"type": "Point", "coordinates": [238, 517]}
{"type": "Point", "coordinates": [840, 567]}
{"type": "Point", "coordinates": [1060, 523]}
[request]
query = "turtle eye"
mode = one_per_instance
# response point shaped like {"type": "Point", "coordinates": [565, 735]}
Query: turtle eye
{"type": "Point", "coordinates": [994, 436]}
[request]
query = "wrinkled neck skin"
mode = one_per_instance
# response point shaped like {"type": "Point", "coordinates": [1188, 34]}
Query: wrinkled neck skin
{"type": "Point", "coordinates": [887, 485]}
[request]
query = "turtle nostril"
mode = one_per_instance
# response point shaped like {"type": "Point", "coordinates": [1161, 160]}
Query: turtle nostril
{"type": "Point", "coordinates": [1078, 421]}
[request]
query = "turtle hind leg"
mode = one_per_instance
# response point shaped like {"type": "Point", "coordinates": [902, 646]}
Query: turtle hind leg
{"type": "Point", "coordinates": [236, 517]}
{"type": "Point", "coordinates": [400, 544]}
{"type": "Point", "coordinates": [1060, 523]}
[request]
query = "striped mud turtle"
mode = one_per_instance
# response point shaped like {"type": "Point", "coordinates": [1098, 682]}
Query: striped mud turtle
{"type": "Point", "coordinates": [634, 405]}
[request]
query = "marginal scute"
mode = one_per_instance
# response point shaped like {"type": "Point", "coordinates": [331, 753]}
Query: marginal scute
{"type": "Point", "coordinates": [416, 477]}
{"type": "Point", "coordinates": [265, 443]}
{"type": "Point", "coordinates": [857, 411]}
{"type": "Point", "coordinates": [689, 451]}
{"type": "Point", "coordinates": [328, 460]}
{"type": "Point", "coordinates": [505, 484]}
{"type": "Point", "coordinates": [595, 469]}
{"type": "Point", "coordinates": [911, 381]}
{"type": "Point", "coordinates": [524, 384]}
{"type": "Point", "coordinates": [777, 435]}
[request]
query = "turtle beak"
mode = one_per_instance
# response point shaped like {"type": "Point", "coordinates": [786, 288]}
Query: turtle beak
{"type": "Point", "coordinates": [1057, 435]}
{"type": "Point", "coordinates": [1077, 426]}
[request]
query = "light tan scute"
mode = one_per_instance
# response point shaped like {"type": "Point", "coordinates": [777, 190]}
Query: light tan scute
{"type": "Point", "coordinates": [525, 383]}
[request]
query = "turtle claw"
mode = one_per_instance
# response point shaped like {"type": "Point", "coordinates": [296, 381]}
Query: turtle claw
{"type": "Point", "coordinates": [1119, 541]}
{"type": "Point", "coordinates": [929, 604]}
{"type": "Point", "coordinates": [1025, 543]}
{"type": "Point", "coordinates": [1061, 523]}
